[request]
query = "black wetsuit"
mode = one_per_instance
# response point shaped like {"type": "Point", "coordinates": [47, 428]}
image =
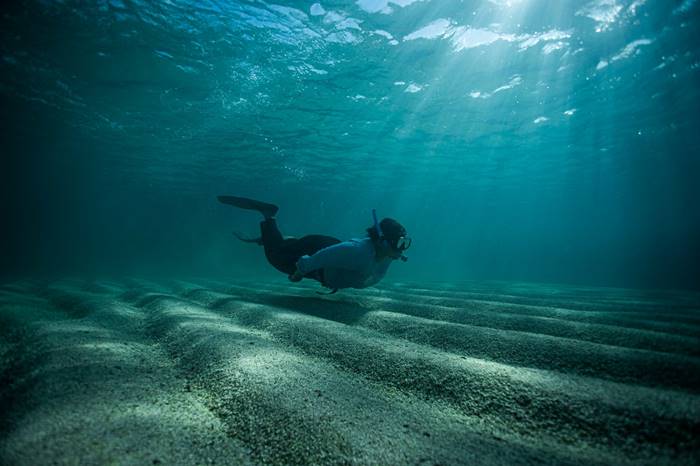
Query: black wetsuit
{"type": "Point", "coordinates": [283, 253]}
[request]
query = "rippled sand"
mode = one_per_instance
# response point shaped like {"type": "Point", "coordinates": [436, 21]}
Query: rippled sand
{"type": "Point", "coordinates": [199, 372]}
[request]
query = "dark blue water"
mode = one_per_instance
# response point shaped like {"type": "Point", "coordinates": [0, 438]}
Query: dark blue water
{"type": "Point", "coordinates": [526, 140]}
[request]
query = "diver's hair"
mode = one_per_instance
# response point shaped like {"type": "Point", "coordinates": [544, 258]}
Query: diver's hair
{"type": "Point", "coordinates": [390, 228]}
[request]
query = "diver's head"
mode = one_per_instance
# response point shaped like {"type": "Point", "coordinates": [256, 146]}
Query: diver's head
{"type": "Point", "coordinates": [390, 236]}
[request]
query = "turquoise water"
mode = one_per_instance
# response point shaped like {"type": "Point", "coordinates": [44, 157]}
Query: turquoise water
{"type": "Point", "coordinates": [526, 140]}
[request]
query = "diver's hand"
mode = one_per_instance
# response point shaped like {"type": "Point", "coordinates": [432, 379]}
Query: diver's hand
{"type": "Point", "coordinates": [296, 276]}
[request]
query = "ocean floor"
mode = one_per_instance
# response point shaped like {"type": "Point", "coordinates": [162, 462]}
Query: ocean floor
{"type": "Point", "coordinates": [207, 372]}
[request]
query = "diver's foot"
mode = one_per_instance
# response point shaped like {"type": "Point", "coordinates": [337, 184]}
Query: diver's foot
{"type": "Point", "coordinates": [267, 210]}
{"type": "Point", "coordinates": [257, 241]}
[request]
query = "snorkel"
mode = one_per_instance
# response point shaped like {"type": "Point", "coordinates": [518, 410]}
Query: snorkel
{"type": "Point", "coordinates": [380, 236]}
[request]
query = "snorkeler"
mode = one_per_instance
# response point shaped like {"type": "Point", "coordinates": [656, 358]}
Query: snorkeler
{"type": "Point", "coordinates": [356, 263]}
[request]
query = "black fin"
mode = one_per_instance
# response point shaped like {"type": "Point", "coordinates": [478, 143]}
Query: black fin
{"type": "Point", "coordinates": [335, 290]}
{"type": "Point", "coordinates": [257, 240]}
{"type": "Point", "coordinates": [268, 210]}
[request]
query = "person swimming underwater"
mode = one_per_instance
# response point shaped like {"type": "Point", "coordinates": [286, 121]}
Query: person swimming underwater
{"type": "Point", "coordinates": [356, 263]}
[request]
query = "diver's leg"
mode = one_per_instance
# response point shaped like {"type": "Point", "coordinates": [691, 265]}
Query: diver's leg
{"type": "Point", "coordinates": [277, 248]}
{"type": "Point", "coordinates": [271, 236]}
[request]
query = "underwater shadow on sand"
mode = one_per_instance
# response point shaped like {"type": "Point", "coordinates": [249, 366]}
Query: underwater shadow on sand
{"type": "Point", "coordinates": [345, 312]}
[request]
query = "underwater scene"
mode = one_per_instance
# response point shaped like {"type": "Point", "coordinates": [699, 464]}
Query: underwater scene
{"type": "Point", "coordinates": [350, 232]}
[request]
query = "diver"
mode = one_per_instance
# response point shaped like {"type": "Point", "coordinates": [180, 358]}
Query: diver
{"type": "Point", "coordinates": [356, 263]}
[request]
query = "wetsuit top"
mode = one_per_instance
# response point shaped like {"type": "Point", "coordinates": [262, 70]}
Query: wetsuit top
{"type": "Point", "coordinates": [350, 264]}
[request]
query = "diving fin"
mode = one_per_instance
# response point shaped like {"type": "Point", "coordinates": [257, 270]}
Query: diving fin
{"type": "Point", "coordinates": [257, 241]}
{"type": "Point", "coordinates": [268, 210]}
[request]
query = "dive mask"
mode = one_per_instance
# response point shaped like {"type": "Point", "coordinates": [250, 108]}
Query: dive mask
{"type": "Point", "coordinates": [402, 243]}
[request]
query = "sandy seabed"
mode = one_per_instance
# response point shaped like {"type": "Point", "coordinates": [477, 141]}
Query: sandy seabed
{"type": "Point", "coordinates": [167, 372]}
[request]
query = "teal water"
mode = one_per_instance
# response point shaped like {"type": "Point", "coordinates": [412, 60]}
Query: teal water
{"type": "Point", "coordinates": [527, 140]}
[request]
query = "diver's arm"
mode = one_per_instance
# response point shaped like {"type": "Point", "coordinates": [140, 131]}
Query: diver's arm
{"type": "Point", "coordinates": [345, 255]}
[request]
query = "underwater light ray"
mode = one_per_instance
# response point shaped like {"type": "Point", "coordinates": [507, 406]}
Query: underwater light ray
{"type": "Point", "coordinates": [450, 68]}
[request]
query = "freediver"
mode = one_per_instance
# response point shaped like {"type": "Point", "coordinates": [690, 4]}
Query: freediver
{"type": "Point", "coordinates": [356, 263]}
